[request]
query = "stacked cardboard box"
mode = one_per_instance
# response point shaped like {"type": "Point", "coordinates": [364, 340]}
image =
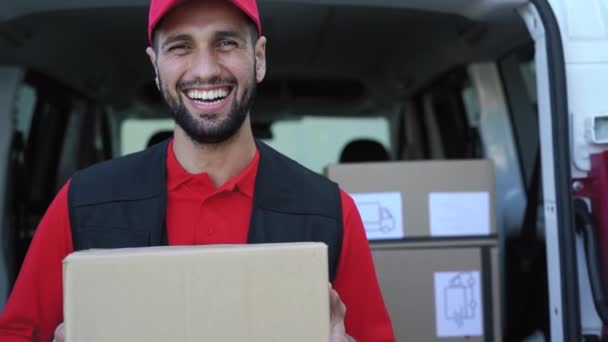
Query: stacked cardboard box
{"type": "Point", "coordinates": [421, 198]}
{"type": "Point", "coordinates": [442, 289]}
{"type": "Point", "coordinates": [434, 242]}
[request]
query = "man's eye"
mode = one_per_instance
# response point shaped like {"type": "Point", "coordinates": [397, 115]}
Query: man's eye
{"type": "Point", "coordinates": [226, 44]}
{"type": "Point", "coordinates": [178, 47]}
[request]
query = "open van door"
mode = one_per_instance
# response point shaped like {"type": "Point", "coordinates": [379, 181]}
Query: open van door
{"type": "Point", "coordinates": [571, 64]}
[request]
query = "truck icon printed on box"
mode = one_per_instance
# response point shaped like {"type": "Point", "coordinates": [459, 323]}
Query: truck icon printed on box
{"type": "Point", "coordinates": [381, 214]}
{"type": "Point", "coordinates": [376, 217]}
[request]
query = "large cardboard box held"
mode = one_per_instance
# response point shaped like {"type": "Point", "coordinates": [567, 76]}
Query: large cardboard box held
{"type": "Point", "coordinates": [258, 293]}
{"type": "Point", "coordinates": [441, 290]}
{"type": "Point", "coordinates": [439, 198]}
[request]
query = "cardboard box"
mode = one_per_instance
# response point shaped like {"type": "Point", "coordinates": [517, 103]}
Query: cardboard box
{"type": "Point", "coordinates": [438, 198]}
{"type": "Point", "coordinates": [438, 290]}
{"type": "Point", "coordinates": [258, 293]}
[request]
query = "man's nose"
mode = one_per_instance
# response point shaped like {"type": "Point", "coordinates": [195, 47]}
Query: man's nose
{"type": "Point", "coordinates": [206, 65]}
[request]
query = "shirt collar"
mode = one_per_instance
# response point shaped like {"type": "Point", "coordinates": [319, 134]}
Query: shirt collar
{"type": "Point", "coordinates": [244, 182]}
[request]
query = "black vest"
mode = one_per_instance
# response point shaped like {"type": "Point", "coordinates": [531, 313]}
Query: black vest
{"type": "Point", "coordinates": [122, 203]}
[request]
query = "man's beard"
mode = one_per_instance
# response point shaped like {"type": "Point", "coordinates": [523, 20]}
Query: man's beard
{"type": "Point", "coordinates": [215, 130]}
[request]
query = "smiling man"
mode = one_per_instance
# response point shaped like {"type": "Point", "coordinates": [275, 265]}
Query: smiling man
{"type": "Point", "coordinates": [213, 183]}
{"type": "Point", "coordinates": [208, 60]}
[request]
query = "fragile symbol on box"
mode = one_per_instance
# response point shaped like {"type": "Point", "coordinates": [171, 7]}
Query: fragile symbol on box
{"type": "Point", "coordinates": [460, 303]}
{"type": "Point", "coordinates": [458, 306]}
{"type": "Point", "coordinates": [381, 214]}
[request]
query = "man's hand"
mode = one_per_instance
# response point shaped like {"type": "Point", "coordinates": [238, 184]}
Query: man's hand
{"type": "Point", "coordinates": [336, 322]}
{"type": "Point", "coordinates": [59, 334]}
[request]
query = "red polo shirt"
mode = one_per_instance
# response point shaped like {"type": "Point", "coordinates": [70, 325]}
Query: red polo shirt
{"type": "Point", "coordinates": [197, 213]}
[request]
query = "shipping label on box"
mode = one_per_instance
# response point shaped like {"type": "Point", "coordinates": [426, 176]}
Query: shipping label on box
{"type": "Point", "coordinates": [459, 213]}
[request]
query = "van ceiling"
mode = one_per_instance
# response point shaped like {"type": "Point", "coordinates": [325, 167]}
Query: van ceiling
{"type": "Point", "coordinates": [98, 48]}
{"type": "Point", "coordinates": [473, 9]}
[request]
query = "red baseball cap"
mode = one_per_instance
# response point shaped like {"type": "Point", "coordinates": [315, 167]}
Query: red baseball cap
{"type": "Point", "coordinates": [158, 9]}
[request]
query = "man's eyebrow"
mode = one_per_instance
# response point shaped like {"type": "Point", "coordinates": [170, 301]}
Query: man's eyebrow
{"type": "Point", "coordinates": [228, 34]}
{"type": "Point", "coordinates": [175, 38]}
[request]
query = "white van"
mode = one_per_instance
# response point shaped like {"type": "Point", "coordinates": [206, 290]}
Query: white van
{"type": "Point", "coordinates": [513, 81]}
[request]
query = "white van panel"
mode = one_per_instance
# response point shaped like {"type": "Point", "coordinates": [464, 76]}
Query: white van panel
{"type": "Point", "coordinates": [584, 28]}
{"type": "Point", "coordinates": [586, 99]}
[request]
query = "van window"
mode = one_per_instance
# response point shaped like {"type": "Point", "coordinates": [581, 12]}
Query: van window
{"type": "Point", "coordinates": [527, 69]}
{"type": "Point", "coordinates": [316, 142]}
{"type": "Point", "coordinates": [519, 77]}
{"type": "Point", "coordinates": [313, 141]}
{"type": "Point", "coordinates": [136, 133]}
{"type": "Point", "coordinates": [450, 116]}
{"type": "Point", "coordinates": [471, 106]}
{"type": "Point", "coordinates": [85, 141]}
{"type": "Point", "coordinates": [25, 105]}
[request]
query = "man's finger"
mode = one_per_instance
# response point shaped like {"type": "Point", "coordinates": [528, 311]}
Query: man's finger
{"type": "Point", "coordinates": [59, 334]}
{"type": "Point", "coordinates": [337, 308]}
{"type": "Point", "coordinates": [338, 312]}
{"type": "Point", "coordinates": [336, 301]}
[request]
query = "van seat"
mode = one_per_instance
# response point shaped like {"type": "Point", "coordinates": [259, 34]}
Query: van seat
{"type": "Point", "coordinates": [363, 150]}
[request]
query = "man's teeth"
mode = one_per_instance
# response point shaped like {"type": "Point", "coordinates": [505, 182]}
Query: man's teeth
{"type": "Point", "coordinates": [208, 95]}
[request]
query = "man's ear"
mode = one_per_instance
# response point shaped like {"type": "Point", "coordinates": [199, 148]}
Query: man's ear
{"type": "Point", "coordinates": [260, 59]}
{"type": "Point", "coordinates": [152, 54]}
